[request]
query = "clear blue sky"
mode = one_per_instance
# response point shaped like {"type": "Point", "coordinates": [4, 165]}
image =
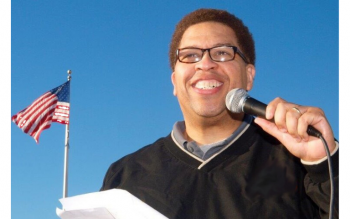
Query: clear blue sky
{"type": "Point", "coordinates": [121, 93]}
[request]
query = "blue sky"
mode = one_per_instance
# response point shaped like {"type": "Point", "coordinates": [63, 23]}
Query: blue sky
{"type": "Point", "coordinates": [121, 93]}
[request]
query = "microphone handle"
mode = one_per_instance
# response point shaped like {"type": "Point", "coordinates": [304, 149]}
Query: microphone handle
{"type": "Point", "coordinates": [254, 107]}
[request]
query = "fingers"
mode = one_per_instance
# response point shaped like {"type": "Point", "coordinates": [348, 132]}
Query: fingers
{"type": "Point", "coordinates": [290, 126]}
{"type": "Point", "coordinates": [292, 118]}
{"type": "Point", "coordinates": [302, 125]}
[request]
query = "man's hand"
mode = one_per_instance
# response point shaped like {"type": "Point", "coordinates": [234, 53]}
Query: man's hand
{"type": "Point", "coordinates": [290, 128]}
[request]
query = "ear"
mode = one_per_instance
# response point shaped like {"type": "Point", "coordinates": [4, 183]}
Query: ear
{"type": "Point", "coordinates": [250, 72]}
{"type": "Point", "coordinates": [173, 80]}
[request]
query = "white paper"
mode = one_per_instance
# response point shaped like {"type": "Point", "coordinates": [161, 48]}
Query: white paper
{"type": "Point", "coordinates": [95, 213]}
{"type": "Point", "coordinates": [110, 204]}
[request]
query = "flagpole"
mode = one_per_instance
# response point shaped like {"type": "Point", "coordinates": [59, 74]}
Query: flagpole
{"type": "Point", "coordinates": [66, 148]}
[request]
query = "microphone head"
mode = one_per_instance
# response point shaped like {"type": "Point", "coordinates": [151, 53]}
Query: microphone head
{"type": "Point", "coordinates": [235, 100]}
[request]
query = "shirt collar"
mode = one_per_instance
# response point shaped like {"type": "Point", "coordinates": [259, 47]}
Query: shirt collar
{"type": "Point", "coordinates": [205, 151]}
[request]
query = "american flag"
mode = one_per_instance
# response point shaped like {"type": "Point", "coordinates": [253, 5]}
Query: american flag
{"type": "Point", "coordinates": [52, 106]}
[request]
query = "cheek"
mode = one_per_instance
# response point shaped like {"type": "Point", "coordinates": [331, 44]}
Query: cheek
{"type": "Point", "coordinates": [179, 78]}
{"type": "Point", "coordinates": [238, 77]}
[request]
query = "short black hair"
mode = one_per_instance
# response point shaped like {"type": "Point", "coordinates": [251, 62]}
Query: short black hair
{"type": "Point", "coordinates": [244, 37]}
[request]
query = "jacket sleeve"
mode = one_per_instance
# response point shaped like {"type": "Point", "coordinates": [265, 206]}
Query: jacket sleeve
{"type": "Point", "coordinates": [318, 185]}
{"type": "Point", "coordinates": [113, 175]}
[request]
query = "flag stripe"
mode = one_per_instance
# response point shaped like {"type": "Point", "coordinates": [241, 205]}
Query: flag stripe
{"type": "Point", "coordinates": [33, 109]}
{"type": "Point", "coordinates": [52, 106]}
{"type": "Point", "coordinates": [30, 108]}
{"type": "Point", "coordinates": [40, 113]}
{"type": "Point", "coordinates": [40, 127]}
{"type": "Point", "coordinates": [61, 114]}
{"type": "Point", "coordinates": [16, 118]}
{"type": "Point", "coordinates": [36, 135]}
{"type": "Point", "coordinates": [39, 120]}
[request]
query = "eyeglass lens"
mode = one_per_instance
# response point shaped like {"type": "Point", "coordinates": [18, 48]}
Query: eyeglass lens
{"type": "Point", "coordinates": [219, 54]}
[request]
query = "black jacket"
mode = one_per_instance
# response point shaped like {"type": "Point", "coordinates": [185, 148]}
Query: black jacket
{"type": "Point", "coordinates": [255, 177]}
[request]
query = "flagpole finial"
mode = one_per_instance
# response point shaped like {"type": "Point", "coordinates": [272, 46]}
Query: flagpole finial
{"type": "Point", "coordinates": [69, 72]}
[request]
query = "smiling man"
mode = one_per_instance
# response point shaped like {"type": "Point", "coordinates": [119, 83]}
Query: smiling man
{"type": "Point", "coordinates": [201, 84]}
{"type": "Point", "coordinates": [218, 164]}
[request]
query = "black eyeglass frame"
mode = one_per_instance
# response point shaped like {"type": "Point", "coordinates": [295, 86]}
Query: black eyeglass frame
{"type": "Point", "coordinates": [235, 50]}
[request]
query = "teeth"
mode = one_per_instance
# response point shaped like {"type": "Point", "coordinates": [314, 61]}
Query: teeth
{"type": "Point", "coordinates": [208, 84]}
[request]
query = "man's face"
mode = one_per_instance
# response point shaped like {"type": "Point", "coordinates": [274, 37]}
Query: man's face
{"type": "Point", "coordinates": [201, 87]}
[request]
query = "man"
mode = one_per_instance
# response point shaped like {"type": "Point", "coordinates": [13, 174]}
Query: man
{"type": "Point", "coordinates": [218, 164]}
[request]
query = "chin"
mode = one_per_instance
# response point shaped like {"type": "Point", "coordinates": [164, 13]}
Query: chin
{"type": "Point", "coordinates": [209, 112]}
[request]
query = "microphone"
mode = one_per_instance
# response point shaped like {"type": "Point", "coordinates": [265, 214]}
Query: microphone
{"type": "Point", "coordinates": [238, 100]}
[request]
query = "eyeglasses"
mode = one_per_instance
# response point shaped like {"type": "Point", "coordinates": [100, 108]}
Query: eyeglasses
{"type": "Point", "coordinates": [217, 54]}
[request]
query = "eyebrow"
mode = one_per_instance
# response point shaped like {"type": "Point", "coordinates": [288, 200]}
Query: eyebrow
{"type": "Point", "coordinates": [215, 45]}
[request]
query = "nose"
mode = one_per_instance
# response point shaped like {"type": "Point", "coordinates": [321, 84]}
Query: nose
{"type": "Point", "coordinates": [206, 62]}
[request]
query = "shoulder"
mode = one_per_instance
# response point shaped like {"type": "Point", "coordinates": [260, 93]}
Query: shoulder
{"type": "Point", "coordinates": [137, 162]}
{"type": "Point", "coordinates": [145, 154]}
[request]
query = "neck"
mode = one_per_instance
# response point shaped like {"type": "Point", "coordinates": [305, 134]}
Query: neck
{"type": "Point", "coordinates": [207, 130]}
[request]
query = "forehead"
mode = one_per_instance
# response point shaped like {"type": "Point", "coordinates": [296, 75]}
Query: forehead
{"type": "Point", "coordinates": [208, 34]}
